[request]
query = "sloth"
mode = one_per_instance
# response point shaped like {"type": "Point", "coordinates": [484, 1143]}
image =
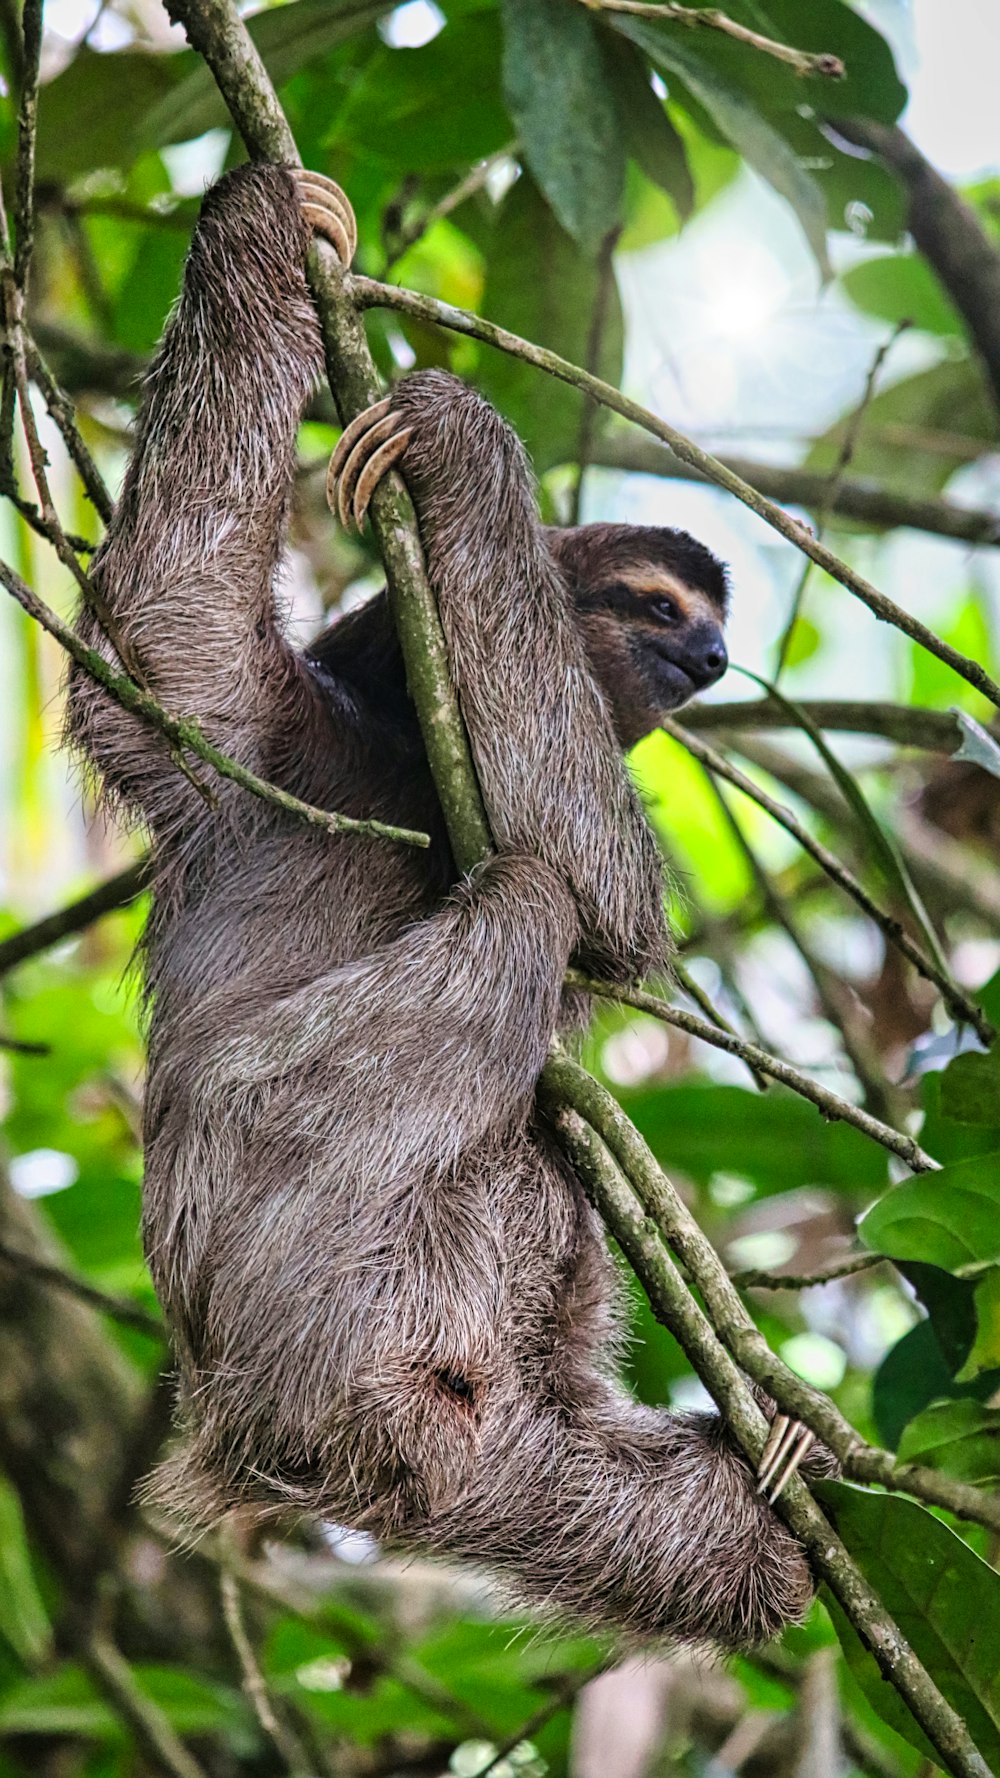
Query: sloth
{"type": "Point", "coordinates": [390, 1301]}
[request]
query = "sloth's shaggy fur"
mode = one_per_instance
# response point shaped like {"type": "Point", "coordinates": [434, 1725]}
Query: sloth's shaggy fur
{"type": "Point", "coordinates": [390, 1301]}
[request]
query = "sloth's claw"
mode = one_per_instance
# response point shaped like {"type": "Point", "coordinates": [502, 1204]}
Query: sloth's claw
{"type": "Point", "coordinates": [328, 211]}
{"type": "Point", "coordinates": [787, 1443]}
{"type": "Point", "coordinates": [367, 448]}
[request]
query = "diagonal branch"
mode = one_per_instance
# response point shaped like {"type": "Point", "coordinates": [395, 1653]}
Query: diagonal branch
{"type": "Point", "coordinates": [803, 61]}
{"type": "Point", "coordinates": [368, 293]}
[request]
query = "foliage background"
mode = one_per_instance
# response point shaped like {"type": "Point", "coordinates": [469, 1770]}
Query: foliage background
{"type": "Point", "coordinates": [757, 327]}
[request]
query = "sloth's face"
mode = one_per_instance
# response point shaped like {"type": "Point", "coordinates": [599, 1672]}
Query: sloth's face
{"type": "Point", "coordinates": [652, 606]}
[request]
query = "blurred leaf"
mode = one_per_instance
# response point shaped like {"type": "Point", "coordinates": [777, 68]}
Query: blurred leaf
{"type": "Point", "coordinates": [919, 431]}
{"type": "Point", "coordinates": [66, 1703]}
{"type": "Point", "coordinates": [649, 133]}
{"type": "Point", "coordinates": [539, 284]}
{"type": "Point", "coordinates": [945, 1600]}
{"type": "Point", "coordinates": [970, 1088]}
{"type": "Point", "coordinates": [23, 1618]}
{"type": "Point", "coordinates": [775, 1139]}
{"type": "Point", "coordinates": [960, 1437]}
{"type": "Point", "coordinates": [150, 288]}
{"type": "Point", "coordinates": [883, 846]}
{"type": "Point", "coordinates": [564, 114]}
{"type": "Point", "coordinates": [949, 1219]}
{"type": "Point", "coordinates": [978, 745]}
{"type": "Point", "coordinates": [738, 120]}
{"type": "Point", "coordinates": [902, 287]}
{"type": "Point", "coordinates": [984, 1359]}
{"type": "Point", "coordinates": [90, 115]}
{"type": "Point", "coordinates": [950, 1303]}
{"type": "Point", "coordinates": [287, 37]}
{"type": "Point", "coordinates": [685, 811]}
{"type": "Point", "coordinates": [433, 108]}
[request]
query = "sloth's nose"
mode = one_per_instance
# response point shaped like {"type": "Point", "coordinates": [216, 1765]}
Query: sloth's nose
{"type": "Point", "coordinates": [707, 658]}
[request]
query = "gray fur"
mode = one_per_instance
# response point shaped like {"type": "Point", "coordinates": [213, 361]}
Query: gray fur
{"type": "Point", "coordinates": [391, 1302]}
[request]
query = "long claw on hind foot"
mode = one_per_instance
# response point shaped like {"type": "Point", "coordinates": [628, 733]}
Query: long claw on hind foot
{"type": "Point", "coordinates": [787, 1443]}
{"type": "Point", "coordinates": [328, 211]}
{"type": "Point", "coordinates": [368, 447]}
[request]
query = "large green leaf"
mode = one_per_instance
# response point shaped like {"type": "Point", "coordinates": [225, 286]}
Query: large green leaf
{"type": "Point", "coordinates": [902, 287]}
{"type": "Point", "coordinates": [912, 1374]}
{"type": "Point", "coordinates": [945, 1600]}
{"type": "Point", "coordinates": [773, 1139]}
{"type": "Point", "coordinates": [970, 1088]}
{"type": "Point", "coordinates": [539, 283]}
{"type": "Point", "coordinates": [950, 1219]}
{"type": "Point", "coordinates": [66, 1703]}
{"type": "Point", "coordinates": [429, 109]}
{"type": "Point", "coordinates": [738, 119]}
{"type": "Point", "coordinates": [960, 1437]}
{"type": "Point", "coordinates": [650, 135]}
{"type": "Point", "coordinates": [564, 114]}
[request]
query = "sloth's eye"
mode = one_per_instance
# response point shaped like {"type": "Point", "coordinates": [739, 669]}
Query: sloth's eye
{"type": "Point", "coordinates": [666, 610]}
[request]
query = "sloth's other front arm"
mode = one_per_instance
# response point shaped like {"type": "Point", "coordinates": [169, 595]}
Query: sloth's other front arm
{"type": "Point", "coordinates": [187, 568]}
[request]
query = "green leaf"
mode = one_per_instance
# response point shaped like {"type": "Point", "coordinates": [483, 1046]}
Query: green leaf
{"type": "Point", "coordinates": [912, 1374]}
{"type": "Point", "coordinates": [978, 745]}
{"type": "Point", "coordinates": [984, 1359]}
{"type": "Point", "coordinates": [739, 122]}
{"type": "Point", "coordinates": [950, 1219]}
{"type": "Point", "coordinates": [652, 139]}
{"type": "Point", "coordinates": [970, 1088]}
{"type": "Point", "coordinates": [871, 86]}
{"type": "Point", "coordinates": [24, 1621]}
{"type": "Point", "coordinates": [944, 1598]}
{"type": "Point", "coordinates": [288, 37]}
{"type": "Point", "coordinates": [565, 116]}
{"type": "Point", "coordinates": [66, 1703]}
{"type": "Point", "coordinates": [88, 115]}
{"type": "Point", "coordinates": [919, 431]}
{"type": "Point", "coordinates": [539, 284]}
{"type": "Point", "coordinates": [959, 1437]}
{"type": "Point", "coordinates": [902, 287]}
{"type": "Point", "coordinates": [774, 1139]}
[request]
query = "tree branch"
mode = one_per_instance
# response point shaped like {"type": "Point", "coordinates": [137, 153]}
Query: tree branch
{"type": "Point", "coordinates": [368, 293]}
{"type": "Point", "coordinates": [937, 731]}
{"type": "Point", "coordinates": [804, 62]}
{"type": "Point", "coordinates": [116, 892]}
{"type": "Point", "coordinates": [833, 1107]}
{"type": "Point", "coordinates": [865, 501]}
{"type": "Point", "coordinates": [184, 733]}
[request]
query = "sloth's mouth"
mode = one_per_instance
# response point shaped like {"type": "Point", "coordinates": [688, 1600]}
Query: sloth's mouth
{"type": "Point", "coordinates": [674, 685]}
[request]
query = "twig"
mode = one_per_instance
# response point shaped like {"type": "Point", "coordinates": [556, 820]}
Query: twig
{"type": "Point", "coordinates": [564, 1693]}
{"type": "Point", "coordinates": [466, 188]}
{"type": "Point", "coordinates": [612, 1180]}
{"type": "Point", "coordinates": [24, 190]}
{"type": "Point", "coordinates": [116, 892]}
{"type": "Point", "coordinates": [866, 502]}
{"type": "Point", "coordinates": [842, 463]}
{"type": "Point", "coordinates": [368, 293]}
{"type": "Point", "coordinates": [802, 61]}
{"type": "Point", "coordinates": [119, 1308]}
{"type": "Point", "coordinates": [283, 1739]}
{"type": "Point", "coordinates": [958, 1003]}
{"type": "Point", "coordinates": [186, 734]}
{"type": "Point", "coordinates": [832, 1106]}
{"type": "Point", "coordinates": [60, 410]}
{"type": "Point", "coordinates": [153, 1732]}
{"type": "Point", "coordinates": [936, 731]}
{"type": "Point", "coordinates": [753, 1279]}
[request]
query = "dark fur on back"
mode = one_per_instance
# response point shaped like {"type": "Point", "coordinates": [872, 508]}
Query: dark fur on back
{"type": "Point", "coordinates": [390, 1300]}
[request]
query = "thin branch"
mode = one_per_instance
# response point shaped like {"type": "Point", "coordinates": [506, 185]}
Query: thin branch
{"type": "Point", "coordinates": [832, 1106]}
{"type": "Point", "coordinates": [565, 1691]}
{"type": "Point", "coordinates": [804, 62]}
{"type": "Point", "coordinates": [24, 190]}
{"type": "Point", "coordinates": [609, 1177]}
{"type": "Point", "coordinates": [368, 293]}
{"type": "Point", "coordinates": [115, 892]}
{"type": "Point", "coordinates": [936, 731]}
{"type": "Point", "coordinates": [60, 410]}
{"type": "Point", "coordinates": [958, 1003]}
{"type": "Point", "coordinates": [184, 733]}
{"type": "Point", "coordinates": [866, 502]}
{"type": "Point", "coordinates": [459, 194]}
{"type": "Point", "coordinates": [119, 1308]}
{"type": "Point", "coordinates": [754, 1279]}
{"type": "Point", "coordinates": [151, 1728]}
{"type": "Point", "coordinates": [844, 458]}
{"type": "Point", "coordinates": [282, 1738]}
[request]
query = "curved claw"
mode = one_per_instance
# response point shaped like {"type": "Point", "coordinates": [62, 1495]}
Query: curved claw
{"type": "Point", "coordinates": [367, 448]}
{"type": "Point", "coordinates": [788, 1442]}
{"type": "Point", "coordinates": [328, 211]}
